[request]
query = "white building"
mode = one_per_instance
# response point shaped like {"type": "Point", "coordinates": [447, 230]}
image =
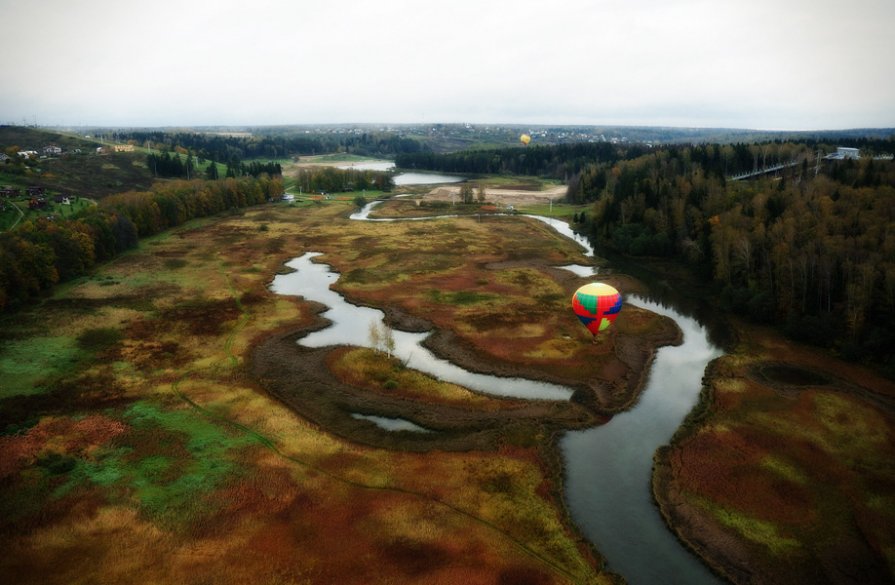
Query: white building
{"type": "Point", "coordinates": [844, 152]}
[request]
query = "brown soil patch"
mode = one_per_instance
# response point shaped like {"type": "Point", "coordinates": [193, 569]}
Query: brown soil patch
{"type": "Point", "coordinates": [781, 473]}
{"type": "Point", "coordinates": [56, 435]}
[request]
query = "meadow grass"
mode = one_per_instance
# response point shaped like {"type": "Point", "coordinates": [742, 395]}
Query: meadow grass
{"type": "Point", "coordinates": [202, 457]}
{"type": "Point", "coordinates": [26, 365]}
{"type": "Point", "coordinates": [760, 532]}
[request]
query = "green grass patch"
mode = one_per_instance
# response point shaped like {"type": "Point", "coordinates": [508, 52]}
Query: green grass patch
{"type": "Point", "coordinates": [784, 469]}
{"type": "Point", "coordinates": [11, 214]}
{"type": "Point", "coordinates": [26, 363]}
{"type": "Point", "coordinates": [168, 462]}
{"type": "Point", "coordinates": [463, 297]}
{"type": "Point", "coordinates": [522, 182]}
{"type": "Point", "coordinates": [758, 531]}
{"type": "Point", "coordinates": [558, 210]}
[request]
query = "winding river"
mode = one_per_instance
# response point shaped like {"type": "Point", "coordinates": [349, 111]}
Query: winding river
{"type": "Point", "coordinates": [608, 468]}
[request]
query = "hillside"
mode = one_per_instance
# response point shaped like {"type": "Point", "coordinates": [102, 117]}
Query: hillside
{"type": "Point", "coordinates": [79, 170]}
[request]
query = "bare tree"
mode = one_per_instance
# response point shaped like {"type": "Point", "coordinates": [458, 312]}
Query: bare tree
{"type": "Point", "coordinates": [382, 338]}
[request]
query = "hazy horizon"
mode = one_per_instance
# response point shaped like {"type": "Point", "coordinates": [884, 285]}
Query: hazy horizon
{"type": "Point", "coordinates": [756, 65]}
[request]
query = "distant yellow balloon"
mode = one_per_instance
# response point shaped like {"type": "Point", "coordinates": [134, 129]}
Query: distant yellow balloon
{"type": "Point", "coordinates": [525, 139]}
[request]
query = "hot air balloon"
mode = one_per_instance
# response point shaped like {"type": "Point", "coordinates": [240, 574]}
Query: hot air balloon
{"type": "Point", "coordinates": [596, 305]}
{"type": "Point", "coordinates": [525, 139]}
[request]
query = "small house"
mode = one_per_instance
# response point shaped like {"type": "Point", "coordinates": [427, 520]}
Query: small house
{"type": "Point", "coordinates": [52, 150]}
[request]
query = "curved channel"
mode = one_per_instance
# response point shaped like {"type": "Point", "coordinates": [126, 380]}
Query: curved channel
{"type": "Point", "coordinates": [607, 468]}
{"type": "Point", "coordinates": [351, 326]}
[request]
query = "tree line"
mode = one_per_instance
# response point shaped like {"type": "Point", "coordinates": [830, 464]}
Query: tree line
{"type": "Point", "coordinates": [813, 255]}
{"type": "Point", "coordinates": [164, 164]}
{"type": "Point", "coordinates": [568, 161]}
{"type": "Point", "coordinates": [810, 250]}
{"type": "Point", "coordinates": [235, 148]}
{"type": "Point", "coordinates": [557, 161]}
{"type": "Point", "coordinates": [333, 180]}
{"type": "Point", "coordinates": [37, 255]}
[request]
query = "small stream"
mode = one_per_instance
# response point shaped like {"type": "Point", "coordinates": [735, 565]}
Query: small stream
{"type": "Point", "coordinates": [608, 468]}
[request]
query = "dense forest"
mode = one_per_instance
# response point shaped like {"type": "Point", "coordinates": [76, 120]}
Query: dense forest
{"type": "Point", "coordinates": [813, 255]}
{"type": "Point", "coordinates": [166, 165]}
{"type": "Point", "coordinates": [227, 148]}
{"type": "Point", "coordinates": [558, 161]}
{"type": "Point", "coordinates": [810, 249]}
{"type": "Point", "coordinates": [37, 255]}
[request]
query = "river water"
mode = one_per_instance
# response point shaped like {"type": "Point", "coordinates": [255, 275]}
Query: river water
{"type": "Point", "coordinates": [403, 179]}
{"type": "Point", "coordinates": [608, 468]}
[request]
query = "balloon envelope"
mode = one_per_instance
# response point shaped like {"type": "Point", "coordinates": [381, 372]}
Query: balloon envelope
{"type": "Point", "coordinates": [596, 305]}
{"type": "Point", "coordinates": [525, 139]}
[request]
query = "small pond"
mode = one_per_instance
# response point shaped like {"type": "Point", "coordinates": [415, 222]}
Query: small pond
{"type": "Point", "coordinates": [406, 178]}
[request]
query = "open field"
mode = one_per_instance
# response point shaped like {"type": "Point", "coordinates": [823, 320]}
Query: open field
{"type": "Point", "coordinates": [160, 424]}
{"type": "Point", "coordinates": [503, 196]}
{"type": "Point", "coordinates": [785, 474]}
{"type": "Point", "coordinates": [141, 447]}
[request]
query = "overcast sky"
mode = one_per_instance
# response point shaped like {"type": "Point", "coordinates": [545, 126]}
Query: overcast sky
{"type": "Point", "coordinates": [765, 64]}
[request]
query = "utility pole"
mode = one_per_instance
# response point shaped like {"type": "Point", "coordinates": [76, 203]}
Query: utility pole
{"type": "Point", "coordinates": [817, 165]}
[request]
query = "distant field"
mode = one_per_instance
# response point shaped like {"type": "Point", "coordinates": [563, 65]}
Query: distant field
{"type": "Point", "coordinates": [333, 158]}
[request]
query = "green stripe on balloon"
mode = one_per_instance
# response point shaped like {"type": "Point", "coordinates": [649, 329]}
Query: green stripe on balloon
{"type": "Point", "coordinates": [589, 302]}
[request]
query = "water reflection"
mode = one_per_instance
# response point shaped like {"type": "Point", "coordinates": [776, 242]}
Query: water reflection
{"type": "Point", "coordinates": [403, 179]}
{"type": "Point", "coordinates": [391, 424]}
{"type": "Point", "coordinates": [370, 165]}
{"type": "Point", "coordinates": [609, 468]}
{"type": "Point", "coordinates": [581, 270]}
